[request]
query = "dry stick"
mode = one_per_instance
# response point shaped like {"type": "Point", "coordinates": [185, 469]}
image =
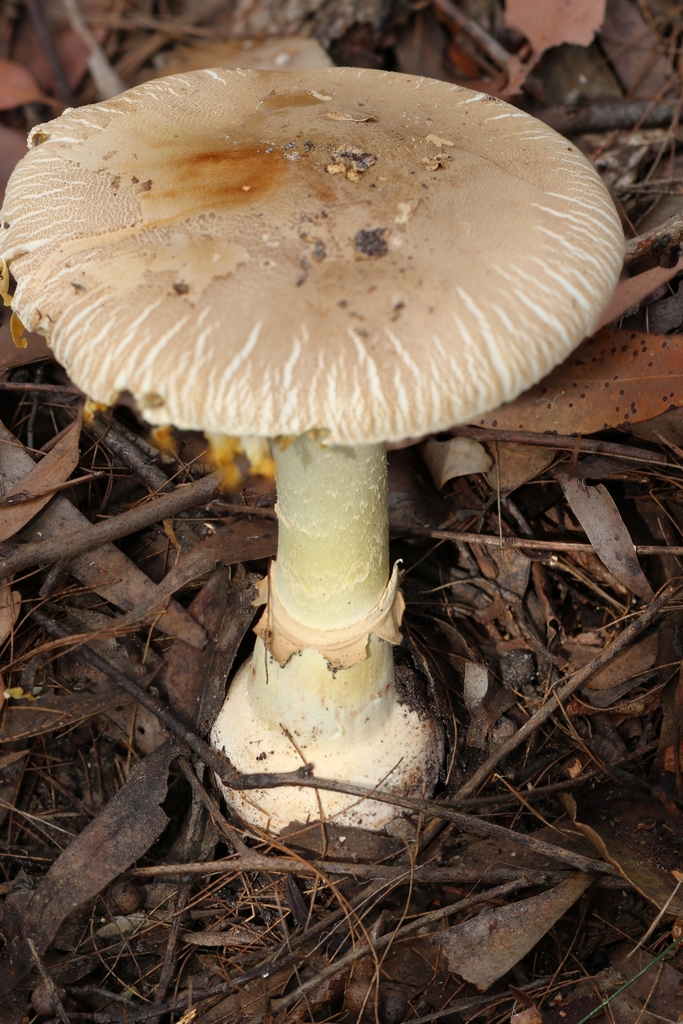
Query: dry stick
{"type": "Point", "coordinates": [567, 442]}
{"type": "Point", "coordinates": [386, 872]}
{"type": "Point", "coordinates": [130, 454]}
{"type": "Point", "coordinates": [540, 545]}
{"type": "Point", "coordinates": [234, 780]}
{"type": "Point", "coordinates": [23, 497]}
{"type": "Point", "coordinates": [607, 115]}
{"type": "Point", "coordinates": [185, 496]}
{"type": "Point", "coordinates": [490, 46]}
{"type": "Point", "coordinates": [48, 389]}
{"type": "Point", "coordinates": [107, 83]}
{"type": "Point", "coordinates": [620, 643]}
{"type": "Point", "coordinates": [49, 984]}
{"type": "Point", "coordinates": [42, 31]}
{"type": "Point", "coordinates": [662, 243]}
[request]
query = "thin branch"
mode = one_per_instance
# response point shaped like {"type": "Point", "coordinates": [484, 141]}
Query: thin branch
{"type": "Point", "coordinates": [184, 497]}
{"type": "Point", "coordinates": [540, 545]}
{"type": "Point", "coordinates": [566, 442]}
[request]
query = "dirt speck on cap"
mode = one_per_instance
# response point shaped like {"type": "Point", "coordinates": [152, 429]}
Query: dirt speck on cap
{"type": "Point", "coordinates": [371, 242]}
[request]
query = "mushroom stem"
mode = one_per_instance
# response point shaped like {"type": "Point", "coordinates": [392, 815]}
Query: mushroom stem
{"type": "Point", "coordinates": [332, 570]}
{"type": "Point", "coordinates": [333, 538]}
{"type": "Point", "coordinates": [320, 684]}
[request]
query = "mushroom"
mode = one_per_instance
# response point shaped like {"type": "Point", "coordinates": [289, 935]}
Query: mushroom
{"type": "Point", "coordinates": [333, 259]}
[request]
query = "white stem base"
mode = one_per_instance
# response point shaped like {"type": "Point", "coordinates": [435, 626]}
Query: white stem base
{"type": "Point", "coordinates": [392, 748]}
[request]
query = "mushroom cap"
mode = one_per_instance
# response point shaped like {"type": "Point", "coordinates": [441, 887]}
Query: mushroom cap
{"type": "Point", "coordinates": [370, 254]}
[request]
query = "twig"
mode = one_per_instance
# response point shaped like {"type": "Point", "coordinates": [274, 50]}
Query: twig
{"type": "Point", "coordinates": [249, 510]}
{"type": "Point", "coordinates": [42, 32]}
{"type": "Point", "coordinates": [490, 46]}
{"type": "Point", "coordinates": [130, 454]}
{"type": "Point", "coordinates": [22, 497]}
{"type": "Point", "coordinates": [541, 545]}
{"type": "Point", "coordinates": [395, 873]}
{"type": "Point", "coordinates": [566, 442]}
{"type": "Point", "coordinates": [107, 82]}
{"type": "Point", "coordinates": [619, 644]}
{"type": "Point", "coordinates": [46, 552]}
{"type": "Point", "coordinates": [607, 115]}
{"type": "Point", "coordinates": [49, 984]}
{"type": "Point", "coordinates": [48, 389]}
{"type": "Point", "coordinates": [657, 248]}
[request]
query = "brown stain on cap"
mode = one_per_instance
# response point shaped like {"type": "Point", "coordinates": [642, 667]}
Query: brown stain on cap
{"type": "Point", "coordinates": [217, 179]}
{"type": "Point", "coordinates": [191, 172]}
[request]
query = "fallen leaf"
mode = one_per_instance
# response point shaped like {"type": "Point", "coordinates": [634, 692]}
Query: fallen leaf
{"type": "Point", "coordinates": [631, 291]}
{"type": "Point", "coordinates": [54, 468]}
{"type": "Point", "coordinates": [528, 1016]}
{"type": "Point", "coordinates": [458, 456]}
{"type": "Point", "coordinates": [106, 847]}
{"type": "Point", "coordinates": [73, 55]}
{"type": "Point", "coordinates": [516, 464]}
{"type": "Point", "coordinates": [17, 86]}
{"type": "Point", "coordinates": [107, 570]}
{"type": "Point", "coordinates": [484, 948]}
{"type": "Point", "coordinates": [546, 23]}
{"type": "Point", "coordinates": [632, 662]}
{"type": "Point", "coordinates": [613, 379]}
{"type": "Point", "coordinates": [595, 509]}
{"type": "Point", "coordinates": [657, 995]}
{"type": "Point", "coordinates": [10, 606]}
{"type": "Point", "coordinates": [11, 757]}
{"type": "Point", "coordinates": [634, 50]}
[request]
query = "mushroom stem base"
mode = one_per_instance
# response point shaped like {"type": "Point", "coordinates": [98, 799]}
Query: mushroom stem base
{"type": "Point", "coordinates": [403, 754]}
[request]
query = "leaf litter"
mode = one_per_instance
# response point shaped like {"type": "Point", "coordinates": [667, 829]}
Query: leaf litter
{"type": "Point", "coordinates": [532, 553]}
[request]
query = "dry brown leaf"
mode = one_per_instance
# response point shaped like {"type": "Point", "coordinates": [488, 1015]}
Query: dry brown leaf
{"type": "Point", "coordinates": [595, 509]}
{"type": "Point", "coordinates": [613, 379]}
{"type": "Point", "coordinates": [529, 1016]}
{"type": "Point", "coordinates": [517, 464]}
{"type": "Point", "coordinates": [547, 23]}
{"type": "Point", "coordinates": [195, 680]}
{"type": "Point", "coordinates": [54, 469]}
{"type": "Point", "coordinates": [657, 995]}
{"type": "Point", "coordinates": [10, 605]}
{"type": "Point", "coordinates": [10, 757]}
{"type": "Point", "coordinates": [484, 948]}
{"type": "Point", "coordinates": [17, 86]}
{"type": "Point", "coordinates": [635, 50]}
{"type": "Point", "coordinates": [631, 291]}
{"type": "Point", "coordinates": [631, 662]}
{"type": "Point", "coordinates": [61, 711]}
{"type": "Point", "coordinates": [458, 456]}
{"type": "Point", "coordinates": [121, 833]}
